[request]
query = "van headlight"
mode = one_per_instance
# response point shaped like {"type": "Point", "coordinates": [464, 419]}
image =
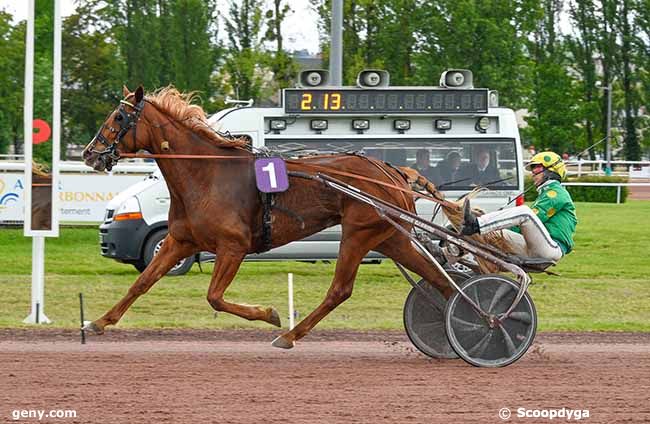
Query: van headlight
{"type": "Point", "coordinates": [128, 210]}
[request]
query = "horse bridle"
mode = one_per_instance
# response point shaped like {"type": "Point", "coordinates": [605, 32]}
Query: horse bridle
{"type": "Point", "coordinates": [126, 121]}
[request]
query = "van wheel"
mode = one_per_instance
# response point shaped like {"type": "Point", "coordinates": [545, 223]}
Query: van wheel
{"type": "Point", "coordinates": [152, 248]}
{"type": "Point", "coordinates": [140, 266]}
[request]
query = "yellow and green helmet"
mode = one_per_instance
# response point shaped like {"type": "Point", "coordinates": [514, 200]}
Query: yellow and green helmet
{"type": "Point", "coordinates": [551, 161]}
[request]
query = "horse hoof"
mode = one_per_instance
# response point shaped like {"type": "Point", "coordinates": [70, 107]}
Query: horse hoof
{"type": "Point", "coordinates": [274, 318]}
{"type": "Point", "coordinates": [93, 329]}
{"type": "Point", "coordinates": [282, 343]}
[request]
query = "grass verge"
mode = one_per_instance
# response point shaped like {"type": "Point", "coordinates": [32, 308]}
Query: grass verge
{"type": "Point", "coordinates": [604, 284]}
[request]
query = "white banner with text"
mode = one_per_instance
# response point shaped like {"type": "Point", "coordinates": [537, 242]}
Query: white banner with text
{"type": "Point", "coordinates": [82, 197]}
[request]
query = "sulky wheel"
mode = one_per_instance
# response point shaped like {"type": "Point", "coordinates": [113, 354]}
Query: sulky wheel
{"type": "Point", "coordinates": [471, 336]}
{"type": "Point", "coordinates": [424, 318]}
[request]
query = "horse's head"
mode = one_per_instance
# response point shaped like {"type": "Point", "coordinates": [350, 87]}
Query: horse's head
{"type": "Point", "coordinates": [117, 134]}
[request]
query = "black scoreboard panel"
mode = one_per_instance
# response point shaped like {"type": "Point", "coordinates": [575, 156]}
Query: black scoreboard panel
{"type": "Point", "coordinates": [384, 101]}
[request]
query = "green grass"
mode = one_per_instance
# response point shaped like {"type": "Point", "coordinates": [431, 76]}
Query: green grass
{"type": "Point", "coordinates": [604, 284]}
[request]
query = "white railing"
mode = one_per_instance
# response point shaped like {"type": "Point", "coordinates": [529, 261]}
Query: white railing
{"type": "Point", "coordinates": [617, 185]}
{"type": "Point", "coordinates": [80, 167]}
{"type": "Point", "coordinates": [597, 167]}
{"type": "Point", "coordinates": [600, 166]}
{"type": "Point", "coordinates": [12, 157]}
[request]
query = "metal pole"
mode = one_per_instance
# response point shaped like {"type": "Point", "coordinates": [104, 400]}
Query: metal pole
{"type": "Point", "coordinates": [28, 116]}
{"type": "Point", "coordinates": [618, 194]}
{"type": "Point", "coordinates": [81, 315]}
{"type": "Point", "coordinates": [56, 119]}
{"type": "Point", "coordinates": [291, 311]}
{"type": "Point", "coordinates": [37, 315]}
{"type": "Point", "coordinates": [336, 43]}
{"type": "Point", "coordinates": [608, 142]}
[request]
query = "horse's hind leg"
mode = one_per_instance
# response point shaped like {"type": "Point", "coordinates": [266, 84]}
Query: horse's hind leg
{"type": "Point", "coordinates": [224, 272]}
{"type": "Point", "coordinates": [171, 252]}
{"type": "Point", "coordinates": [400, 249]}
{"type": "Point", "coordinates": [351, 253]}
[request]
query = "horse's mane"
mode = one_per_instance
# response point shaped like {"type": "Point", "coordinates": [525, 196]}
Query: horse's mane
{"type": "Point", "coordinates": [178, 106]}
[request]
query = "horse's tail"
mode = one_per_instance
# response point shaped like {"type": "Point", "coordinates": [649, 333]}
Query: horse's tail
{"type": "Point", "coordinates": [453, 210]}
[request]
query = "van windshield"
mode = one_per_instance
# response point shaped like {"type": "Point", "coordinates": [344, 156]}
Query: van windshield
{"type": "Point", "coordinates": [451, 164]}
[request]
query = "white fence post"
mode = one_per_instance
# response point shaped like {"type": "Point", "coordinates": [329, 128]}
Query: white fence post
{"type": "Point", "coordinates": [291, 313]}
{"type": "Point", "coordinates": [37, 314]}
{"type": "Point", "coordinates": [618, 194]}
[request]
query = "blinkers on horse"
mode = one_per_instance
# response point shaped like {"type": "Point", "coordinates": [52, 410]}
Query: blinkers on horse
{"type": "Point", "coordinates": [126, 121]}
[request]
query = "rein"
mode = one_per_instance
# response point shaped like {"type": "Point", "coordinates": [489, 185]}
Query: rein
{"type": "Point", "coordinates": [128, 120]}
{"type": "Point", "coordinates": [176, 156]}
{"type": "Point", "coordinates": [361, 177]}
{"type": "Point", "coordinates": [293, 162]}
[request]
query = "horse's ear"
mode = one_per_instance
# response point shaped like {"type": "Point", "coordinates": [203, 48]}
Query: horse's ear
{"type": "Point", "coordinates": [125, 91]}
{"type": "Point", "coordinates": [139, 94]}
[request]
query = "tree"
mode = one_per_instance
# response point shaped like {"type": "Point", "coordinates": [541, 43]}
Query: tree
{"type": "Point", "coordinates": [242, 67]}
{"type": "Point", "coordinates": [387, 22]}
{"type": "Point", "coordinates": [554, 99]}
{"type": "Point", "coordinates": [281, 63]}
{"type": "Point", "coordinates": [91, 89]}
{"type": "Point", "coordinates": [488, 37]}
{"type": "Point", "coordinates": [624, 25]}
{"type": "Point", "coordinates": [643, 62]}
{"type": "Point", "coordinates": [582, 47]}
{"type": "Point", "coordinates": [12, 69]}
{"type": "Point", "coordinates": [376, 34]}
{"type": "Point", "coordinates": [190, 22]}
{"type": "Point", "coordinates": [608, 54]}
{"type": "Point", "coordinates": [132, 42]}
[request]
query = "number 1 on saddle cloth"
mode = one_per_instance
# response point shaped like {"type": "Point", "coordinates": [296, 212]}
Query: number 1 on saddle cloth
{"type": "Point", "coordinates": [271, 175]}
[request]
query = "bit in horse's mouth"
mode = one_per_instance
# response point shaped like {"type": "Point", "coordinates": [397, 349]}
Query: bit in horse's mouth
{"type": "Point", "coordinates": [96, 163]}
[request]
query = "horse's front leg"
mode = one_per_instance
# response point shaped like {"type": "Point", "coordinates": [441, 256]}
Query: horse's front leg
{"type": "Point", "coordinates": [354, 246]}
{"type": "Point", "coordinates": [171, 252]}
{"type": "Point", "coordinates": [225, 269]}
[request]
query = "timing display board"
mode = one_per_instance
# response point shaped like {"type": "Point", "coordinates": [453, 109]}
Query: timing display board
{"type": "Point", "coordinates": [386, 101]}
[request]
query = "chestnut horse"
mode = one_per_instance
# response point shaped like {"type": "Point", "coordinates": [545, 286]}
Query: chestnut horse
{"type": "Point", "coordinates": [216, 206]}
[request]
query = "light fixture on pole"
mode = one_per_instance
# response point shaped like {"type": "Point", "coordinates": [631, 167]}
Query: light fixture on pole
{"type": "Point", "coordinates": [608, 142]}
{"type": "Point", "coordinates": [608, 138]}
{"type": "Point", "coordinates": [336, 43]}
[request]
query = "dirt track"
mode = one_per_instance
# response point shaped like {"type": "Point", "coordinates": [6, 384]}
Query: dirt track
{"type": "Point", "coordinates": [640, 193]}
{"type": "Point", "coordinates": [331, 377]}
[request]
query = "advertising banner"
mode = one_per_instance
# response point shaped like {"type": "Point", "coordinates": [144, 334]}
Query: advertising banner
{"type": "Point", "coordinates": [82, 198]}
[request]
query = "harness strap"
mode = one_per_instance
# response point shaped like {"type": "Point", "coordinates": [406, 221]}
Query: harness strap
{"type": "Point", "coordinates": [293, 162]}
{"type": "Point", "coordinates": [177, 156]}
{"type": "Point", "coordinates": [268, 199]}
{"type": "Point", "coordinates": [291, 214]}
{"type": "Point", "coordinates": [379, 165]}
{"type": "Point", "coordinates": [327, 170]}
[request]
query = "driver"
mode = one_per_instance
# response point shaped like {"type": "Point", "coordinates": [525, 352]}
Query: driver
{"type": "Point", "coordinates": [544, 230]}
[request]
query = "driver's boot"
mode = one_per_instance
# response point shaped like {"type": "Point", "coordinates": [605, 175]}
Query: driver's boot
{"type": "Point", "coordinates": [470, 224]}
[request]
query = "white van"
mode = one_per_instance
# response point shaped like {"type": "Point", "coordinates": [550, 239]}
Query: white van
{"type": "Point", "coordinates": [424, 127]}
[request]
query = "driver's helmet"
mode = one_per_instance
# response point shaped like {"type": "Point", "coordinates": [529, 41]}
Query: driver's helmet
{"type": "Point", "coordinates": [554, 166]}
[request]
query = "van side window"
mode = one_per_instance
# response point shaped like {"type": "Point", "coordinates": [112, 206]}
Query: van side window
{"type": "Point", "coordinates": [451, 164]}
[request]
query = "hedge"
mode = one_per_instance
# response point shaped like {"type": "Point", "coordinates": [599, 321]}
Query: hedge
{"type": "Point", "coordinates": [587, 194]}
